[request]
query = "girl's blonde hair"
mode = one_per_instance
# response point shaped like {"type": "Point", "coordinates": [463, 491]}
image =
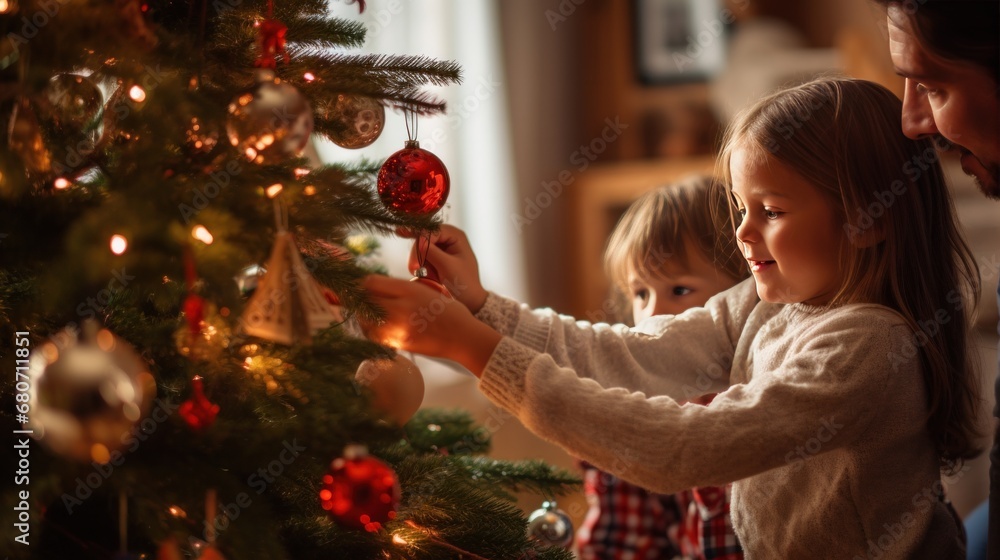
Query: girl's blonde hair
{"type": "Point", "coordinates": [902, 247]}
{"type": "Point", "coordinates": [663, 223]}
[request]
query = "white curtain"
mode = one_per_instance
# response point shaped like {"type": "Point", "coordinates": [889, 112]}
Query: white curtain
{"type": "Point", "coordinates": [472, 138]}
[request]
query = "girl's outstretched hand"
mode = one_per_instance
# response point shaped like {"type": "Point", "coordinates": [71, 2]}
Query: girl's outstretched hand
{"type": "Point", "coordinates": [423, 320]}
{"type": "Point", "coordinates": [451, 261]}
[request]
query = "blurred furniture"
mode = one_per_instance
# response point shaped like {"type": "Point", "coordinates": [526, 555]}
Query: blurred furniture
{"type": "Point", "coordinates": [598, 198]}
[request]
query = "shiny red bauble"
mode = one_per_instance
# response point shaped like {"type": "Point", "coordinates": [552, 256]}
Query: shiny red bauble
{"type": "Point", "coordinates": [413, 181]}
{"type": "Point", "coordinates": [360, 491]}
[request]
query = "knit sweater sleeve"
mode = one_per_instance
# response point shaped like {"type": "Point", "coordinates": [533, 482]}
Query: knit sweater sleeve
{"type": "Point", "coordinates": [836, 370]}
{"type": "Point", "coordinates": [702, 341]}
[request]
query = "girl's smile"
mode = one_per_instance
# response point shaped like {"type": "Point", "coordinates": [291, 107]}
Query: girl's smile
{"type": "Point", "coordinates": [759, 266]}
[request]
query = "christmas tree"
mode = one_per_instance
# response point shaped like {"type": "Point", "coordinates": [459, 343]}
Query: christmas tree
{"type": "Point", "coordinates": [178, 285]}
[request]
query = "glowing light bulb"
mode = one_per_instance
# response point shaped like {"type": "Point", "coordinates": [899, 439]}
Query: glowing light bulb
{"type": "Point", "coordinates": [274, 190]}
{"type": "Point", "coordinates": [137, 94]}
{"type": "Point", "coordinates": [202, 234]}
{"type": "Point", "coordinates": [105, 340]}
{"type": "Point", "coordinates": [308, 76]}
{"type": "Point", "coordinates": [176, 511]}
{"type": "Point", "coordinates": [100, 454]}
{"type": "Point", "coordinates": [118, 244]}
{"type": "Point", "coordinates": [61, 183]}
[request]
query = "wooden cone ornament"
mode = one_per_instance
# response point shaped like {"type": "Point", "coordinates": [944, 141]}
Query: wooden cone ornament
{"type": "Point", "coordinates": [288, 305]}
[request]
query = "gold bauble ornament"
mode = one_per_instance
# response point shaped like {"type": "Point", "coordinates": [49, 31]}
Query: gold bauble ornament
{"type": "Point", "coordinates": [396, 384]}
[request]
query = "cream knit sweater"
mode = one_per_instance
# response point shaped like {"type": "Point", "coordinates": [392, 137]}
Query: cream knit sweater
{"type": "Point", "coordinates": [820, 423]}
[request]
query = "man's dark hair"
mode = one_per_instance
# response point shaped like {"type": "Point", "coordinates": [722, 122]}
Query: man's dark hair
{"type": "Point", "coordinates": [957, 29]}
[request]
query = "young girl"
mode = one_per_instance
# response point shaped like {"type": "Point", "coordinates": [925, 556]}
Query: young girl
{"type": "Point", "coordinates": [665, 256]}
{"type": "Point", "coordinates": [846, 377]}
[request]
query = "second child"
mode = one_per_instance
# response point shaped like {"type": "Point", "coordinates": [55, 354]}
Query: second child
{"type": "Point", "coordinates": [667, 254]}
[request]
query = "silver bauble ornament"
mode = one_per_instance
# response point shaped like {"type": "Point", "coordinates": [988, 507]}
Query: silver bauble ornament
{"type": "Point", "coordinates": [87, 392]}
{"type": "Point", "coordinates": [358, 120]}
{"type": "Point", "coordinates": [71, 101]}
{"type": "Point", "coordinates": [248, 278]}
{"type": "Point", "coordinates": [550, 526]}
{"type": "Point", "coordinates": [271, 122]}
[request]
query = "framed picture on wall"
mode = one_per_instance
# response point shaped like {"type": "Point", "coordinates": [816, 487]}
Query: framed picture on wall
{"type": "Point", "coordinates": [680, 40]}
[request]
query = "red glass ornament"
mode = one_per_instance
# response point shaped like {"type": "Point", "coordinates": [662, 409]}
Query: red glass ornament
{"type": "Point", "coordinates": [194, 313]}
{"type": "Point", "coordinates": [413, 181]}
{"type": "Point", "coordinates": [271, 42]}
{"type": "Point", "coordinates": [360, 491]}
{"type": "Point", "coordinates": [198, 412]}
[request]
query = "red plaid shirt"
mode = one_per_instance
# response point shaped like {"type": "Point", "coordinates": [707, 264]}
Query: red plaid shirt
{"type": "Point", "coordinates": [626, 522]}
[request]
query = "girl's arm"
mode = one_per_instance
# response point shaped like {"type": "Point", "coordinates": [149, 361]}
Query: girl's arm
{"type": "Point", "coordinates": [840, 372]}
{"type": "Point", "coordinates": [840, 377]}
{"type": "Point", "coordinates": [680, 356]}
{"type": "Point", "coordinates": [703, 341]}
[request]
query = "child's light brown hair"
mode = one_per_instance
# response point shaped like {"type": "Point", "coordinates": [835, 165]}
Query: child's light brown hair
{"type": "Point", "coordinates": [901, 246]}
{"type": "Point", "coordinates": [664, 222]}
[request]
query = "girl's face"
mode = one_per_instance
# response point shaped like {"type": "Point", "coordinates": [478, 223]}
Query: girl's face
{"type": "Point", "coordinates": [677, 287]}
{"type": "Point", "coordinates": [789, 233]}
